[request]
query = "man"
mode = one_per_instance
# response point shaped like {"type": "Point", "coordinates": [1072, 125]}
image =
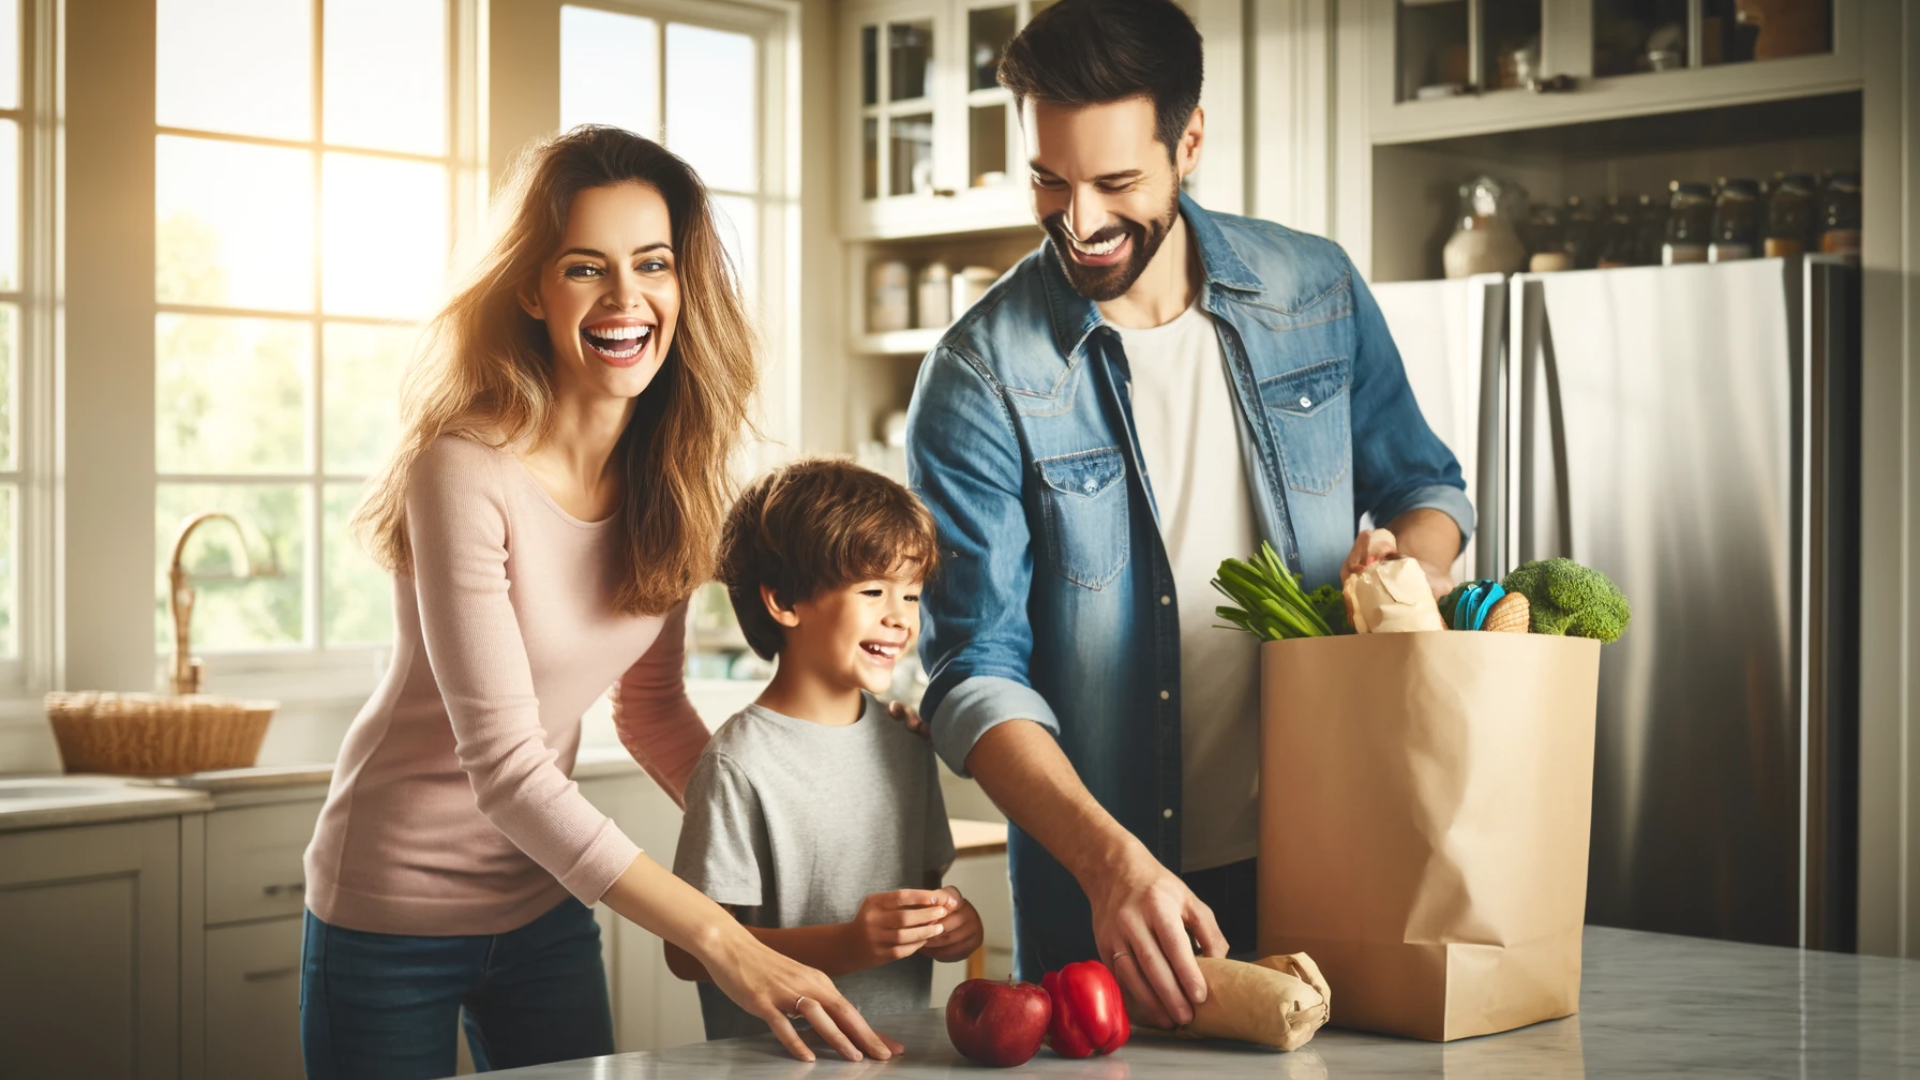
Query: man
{"type": "Point", "coordinates": [1155, 389]}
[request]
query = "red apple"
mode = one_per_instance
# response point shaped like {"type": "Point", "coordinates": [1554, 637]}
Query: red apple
{"type": "Point", "coordinates": [998, 1023]}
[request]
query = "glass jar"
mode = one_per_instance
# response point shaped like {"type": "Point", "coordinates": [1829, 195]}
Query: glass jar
{"type": "Point", "coordinates": [1583, 233]}
{"type": "Point", "coordinates": [1546, 239]}
{"type": "Point", "coordinates": [1790, 216]}
{"type": "Point", "coordinates": [1736, 222]}
{"type": "Point", "coordinates": [1485, 242]}
{"type": "Point", "coordinates": [1650, 230]}
{"type": "Point", "coordinates": [1840, 215]}
{"type": "Point", "coordinates": [1618, 234]}
{"type": "Point", "coordinates": [1689, 223]}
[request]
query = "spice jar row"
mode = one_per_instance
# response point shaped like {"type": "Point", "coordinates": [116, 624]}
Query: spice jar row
{"type": "Point", "coordinates": [1732, 218]}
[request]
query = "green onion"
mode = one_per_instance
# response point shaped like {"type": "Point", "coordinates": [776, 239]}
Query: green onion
{"type": "Point", "coordinates": [1268, 601]}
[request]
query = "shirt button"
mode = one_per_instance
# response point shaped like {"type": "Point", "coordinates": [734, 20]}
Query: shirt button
{"type": "Point", "coordinates": [1306, 403]}
{"type": "Point", "coordinates": [1166, 813]}
{"type": "Point", "coordinates": [1164, 695]}
{"type": "Point", "coordinates": [1165, 600]}
{"type": "Point", "coordinates": [1089, 486]}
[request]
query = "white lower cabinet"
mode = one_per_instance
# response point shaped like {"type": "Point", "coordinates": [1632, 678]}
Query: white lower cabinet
{"type": "Point", "coordinates": [253, 1001]}
{"type": "Point", "coordinates": [90, 951]}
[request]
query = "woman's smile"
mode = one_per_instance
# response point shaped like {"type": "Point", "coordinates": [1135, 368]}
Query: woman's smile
{"type": "Point", "coordinates": [619, 342]}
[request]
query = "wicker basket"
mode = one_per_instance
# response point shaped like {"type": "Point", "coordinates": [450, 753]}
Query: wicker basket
{"type": "Point", "coordinates": [151, 735]}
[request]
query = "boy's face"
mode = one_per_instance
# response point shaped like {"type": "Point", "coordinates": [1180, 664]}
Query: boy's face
{"type": "Point", "coordinates": [854, 636]}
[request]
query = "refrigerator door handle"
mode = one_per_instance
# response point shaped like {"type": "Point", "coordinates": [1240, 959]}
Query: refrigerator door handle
{"type": "Point", "coordinates": [1549, 367]}
{"type": "Point", "coordinates": [1539, 372]}
{"type": "Point", "coordinates": [1490, 481]}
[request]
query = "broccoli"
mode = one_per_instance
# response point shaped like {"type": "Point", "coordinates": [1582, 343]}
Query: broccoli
{"type": "Point", "coordinates": [1571, 599]}
{"type": "Point", "coordinates": [1331, 604]}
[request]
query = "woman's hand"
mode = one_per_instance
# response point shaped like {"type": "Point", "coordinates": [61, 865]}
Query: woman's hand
{"type": "Point", "coordinates": [780, 990]}
{"type": "Point", "coordinates": [894, 925]}
{"type": "Point", "coordinates": [961, 933]}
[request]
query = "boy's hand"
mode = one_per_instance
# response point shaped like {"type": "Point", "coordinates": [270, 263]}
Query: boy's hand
{"type": "Point", "coordinates": [909, 716]}
{"type": "Point", "coordinates": [963, 932]}
{"type": "Point", "coordinates": [892, 925]}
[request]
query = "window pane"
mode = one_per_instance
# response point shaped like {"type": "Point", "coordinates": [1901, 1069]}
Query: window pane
{"type": "Point", "coordinates": [358, 605]}
{"type": "Point", "coordinates": [232, 612]}
{"type": "Point", "coordinates": [360, 368]}
{"type": "Point", "coordinates": [910, 155]}
{"type": "Point", "coordinates": [9, 579]}
{"type": "Point", "coordinates": [609, 70]}
{"type": "Point", "coordinates": [711, 83]}
{"type": "Point", "coordinates": [386, 74]}
{"type": "Point", "coordinates": [230, 394]}
{"type": "Point", "coordinates": [9, 58]}
{"type": "Point", "coordinates": [385, 242]}
{"type": "Point", "coordinates": [243, 67]}
{"type": "Point", "coordinates": [9, 205]}
{"type": "Point", "coordinates": [9, 383]}
{"type": "Point", "coordinates": [738, 220]}
{"type": "Point", "coordinates": [235, 225]}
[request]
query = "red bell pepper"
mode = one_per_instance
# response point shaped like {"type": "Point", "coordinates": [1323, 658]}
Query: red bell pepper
{"type": "Point", "coordinates": [1089, 1016]}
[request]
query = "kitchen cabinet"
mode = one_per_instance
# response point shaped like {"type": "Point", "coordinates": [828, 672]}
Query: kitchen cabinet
{"type": "Point", "coordinates": [242, 920]}
{"type": "Point", "coordinates": [929, 141]}
{"type": "Point", "coordinates": [1446, 68]}
{"type": "Point", "coordinates": [90, 951]}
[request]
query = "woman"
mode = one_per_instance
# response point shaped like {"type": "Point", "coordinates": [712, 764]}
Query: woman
{"type": "Point", "coordinates": [557, 494]}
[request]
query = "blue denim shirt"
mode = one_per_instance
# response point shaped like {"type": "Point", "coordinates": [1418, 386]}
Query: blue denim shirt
{"type": "Point", "coordinates": [1054, 601]}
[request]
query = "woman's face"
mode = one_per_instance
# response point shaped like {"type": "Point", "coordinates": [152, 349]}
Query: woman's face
{"type": "Point", "coordinates": [610, 296]}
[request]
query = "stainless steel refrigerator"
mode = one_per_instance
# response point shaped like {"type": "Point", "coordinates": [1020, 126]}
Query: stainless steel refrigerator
{"type": "Point", "coordinates": [1691, 431]}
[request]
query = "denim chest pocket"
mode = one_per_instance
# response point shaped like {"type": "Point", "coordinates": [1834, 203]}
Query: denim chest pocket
{"type": "Point", "coordinates": [1312, 414]}
{"type": "Point", "coordinates": [1083, 506]}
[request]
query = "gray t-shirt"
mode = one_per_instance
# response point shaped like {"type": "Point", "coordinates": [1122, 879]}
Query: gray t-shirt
{"type": "Point", "coordinates": [793, 823]}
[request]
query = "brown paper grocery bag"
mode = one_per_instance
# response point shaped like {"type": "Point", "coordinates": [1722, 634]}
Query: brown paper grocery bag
{"type": "Point", "coordinates": [1425, 801]}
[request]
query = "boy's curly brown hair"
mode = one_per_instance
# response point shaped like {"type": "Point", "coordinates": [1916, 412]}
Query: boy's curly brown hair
{"type": "Point", "coordinates": [813, 526]}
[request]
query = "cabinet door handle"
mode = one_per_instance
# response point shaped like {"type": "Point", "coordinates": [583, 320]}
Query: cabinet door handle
{"type": "Point", "coordinates": [944, 193]}
{"type": "Point", "coordinates": [296, 889]}
{"type": "Point", "coordinates": [276, 973]}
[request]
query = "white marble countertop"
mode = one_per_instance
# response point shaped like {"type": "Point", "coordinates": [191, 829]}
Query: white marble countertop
{"type": "Point", "coordinates": [1651, 1005]}
{"type": "Point", "coordinates": [45, 802]}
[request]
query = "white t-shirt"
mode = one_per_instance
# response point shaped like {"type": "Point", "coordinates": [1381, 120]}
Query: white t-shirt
{"type": "Point", "coordinates": [1187, 423]}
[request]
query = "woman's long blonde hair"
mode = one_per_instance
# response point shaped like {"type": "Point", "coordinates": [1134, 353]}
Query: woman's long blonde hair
{"type": "Point", "coordinates": [485, 369]}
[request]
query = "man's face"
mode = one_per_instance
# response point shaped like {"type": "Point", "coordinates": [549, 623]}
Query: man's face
{"type": "Point", "coordinates": [1104, 187]}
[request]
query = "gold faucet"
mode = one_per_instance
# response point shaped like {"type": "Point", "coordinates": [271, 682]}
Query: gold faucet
{"type": "Point", "coordinates": [187, 669]}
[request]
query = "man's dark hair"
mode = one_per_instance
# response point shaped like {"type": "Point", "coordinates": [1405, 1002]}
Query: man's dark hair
{"type": "Point", "coordinates": [1091, 52]}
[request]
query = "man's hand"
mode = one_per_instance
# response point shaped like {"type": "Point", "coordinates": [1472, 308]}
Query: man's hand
{"type": "Point", "coordinates": [893, 925]}
{"type": "Point", "coordinates": [1143, 915]}
{"type": "Point", "coordinates": [911, 717]}
{"type": "Point", "coordinates": [1379, 545]}
{"type": "Point", "coordinates": [962, 934]}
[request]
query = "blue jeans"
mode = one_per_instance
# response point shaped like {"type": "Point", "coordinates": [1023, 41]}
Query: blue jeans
{"type": "Point", "coordinates": [386, 1006]}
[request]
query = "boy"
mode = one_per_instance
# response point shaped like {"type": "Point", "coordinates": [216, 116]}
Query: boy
{"type": "Point", "coordinates": [812, 815]}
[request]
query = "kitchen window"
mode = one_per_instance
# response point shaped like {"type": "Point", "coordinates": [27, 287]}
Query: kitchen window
{"type": "Point", "coordinates": [305, 200]}
{"type": "Point", "coordinates": [26, 606]}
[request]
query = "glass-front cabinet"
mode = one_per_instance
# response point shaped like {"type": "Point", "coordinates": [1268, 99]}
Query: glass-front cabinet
{"type": "Point", "coordinates": [1443, 68]}
{"type": "Point", "coordinates": [935, 139]}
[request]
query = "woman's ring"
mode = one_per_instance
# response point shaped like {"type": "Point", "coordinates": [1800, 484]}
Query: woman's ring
{"type": "Point", "coordinates": [795, 1014]}
{"type": "Point", "coordinates": [1117, 956]}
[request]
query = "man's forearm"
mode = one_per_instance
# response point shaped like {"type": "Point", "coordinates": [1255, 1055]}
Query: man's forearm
{"type": "Point", "coordinates": [1024, 772]}
{"type": "Point", "coordinates": [1430, 536]}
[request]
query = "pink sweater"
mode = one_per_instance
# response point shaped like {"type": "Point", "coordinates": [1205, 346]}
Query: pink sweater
{"type": "Point", "coordinates": [453, 810]}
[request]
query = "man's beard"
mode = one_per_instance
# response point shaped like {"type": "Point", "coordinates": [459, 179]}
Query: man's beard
{"type": "Point", "coordinates": [1103, 283]}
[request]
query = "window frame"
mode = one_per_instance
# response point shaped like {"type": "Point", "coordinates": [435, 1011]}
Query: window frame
{"type": "Point", "coordinates": [313, 669]}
